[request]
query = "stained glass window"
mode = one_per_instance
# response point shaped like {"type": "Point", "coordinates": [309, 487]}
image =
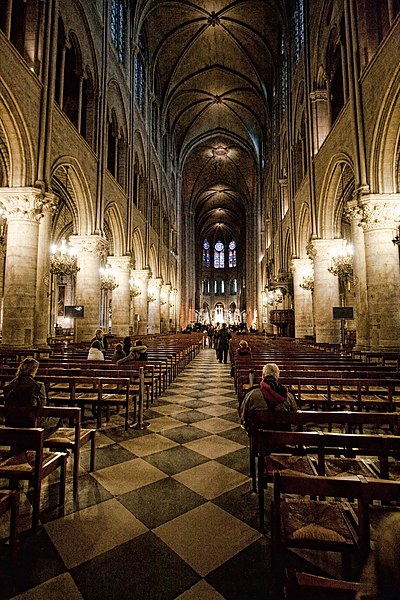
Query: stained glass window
{"type": "Point", "coordinates": [219, 255]}
{"type": "Point", "coordinates": [206, 255]}
{"type": "Point", "coordinates": [284, 75]}
{"type": "Point", "coordinates": [140, 75]}
{"type": "Point", "coordinates": [118, 28]}
{"type": "Point", "coordinates": [232, 254]}
{"type": "Point", "coordinates": [298, 29]}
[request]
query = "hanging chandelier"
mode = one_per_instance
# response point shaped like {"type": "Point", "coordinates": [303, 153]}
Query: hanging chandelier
{"type": "Point", "coordinates": [63, 259]}
{"type": "Point", "coordinates": [108, 281]}
{"type": "Point", "coordinates": [307, 283]}
{"type": "Point", "coordinates": [272, 297]}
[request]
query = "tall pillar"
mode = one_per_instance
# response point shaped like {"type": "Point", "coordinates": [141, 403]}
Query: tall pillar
{"type": "Point", "coordinates": [24, 208]}
{"type": "Point", "coordinates": [154, 305]}
{"type": "Point", "coordinates": [3, 244]}
{"type": "Point", "coordinates": [361, 311]}
{"type": "Point", "coordinates": [120, 295]}
{"type": "Point", "coordinates": [326, 289]}
{"type": "Point", "coordinates": [303, 299]}
{"type": "Point", "coordinates": [164, 307]}
{"type": "Point", "coordinates": [381, 214]}
{"type": "Point", "coordinates": [90, 250]}
{"type": "Point", "coordinates": [42, 310]}
{"type": "Point", "coordinates": [141, 278]}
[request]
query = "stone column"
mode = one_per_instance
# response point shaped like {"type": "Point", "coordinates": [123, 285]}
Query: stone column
{"type": "Point", "coordinates": [303, 299]}
{"type": "Point", "coordinates": [24, 209]}
{"type": "Point", "coordinates": [320, 116]}
{"type": "Point", "coordinates": [361, 311]}
{"type": "Point", "coordinates": [154, 305]}
{"type": "Point", "coordinates": [42, 311]}
{"type": "Point", "coordinates": [90, 250]}
{"type": "Point", "coordinates": [326, 289]}
{"type": "Point", "coordinates": [381, 214]}
{"type": "Point", "coordinates": [3, 244]}
{"type": "Point", "coordinates": [164, 307]}
{"type": "Point", "coordinates": [120, 295]}
{"type": "Point", "coordinates": [141, 278]}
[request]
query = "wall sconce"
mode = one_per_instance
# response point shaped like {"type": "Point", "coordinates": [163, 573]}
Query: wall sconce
{"type": "Point", "coordinates": [108, 280]}
{"type": "Point", "coordinates": [396, 238]}
{"type": "Point", "coordinates": [342, 265]}
{"type": "Point", "coordinates": [307, 283]}
{"type": "Point", "coordinates": [63, 259]}
{"type": "Point", "coordinates": [272, 297]}
{"type": "Point", "coordinates": [134, 289]}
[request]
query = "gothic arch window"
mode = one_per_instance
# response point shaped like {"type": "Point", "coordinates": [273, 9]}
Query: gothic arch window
{"type": "Point", "coordinates": [88, 110]}
{"type": "Point", "coordinates": [140, 75]}
{"type": "Point", "coordinates": [206, 255]}
{"type": "Point", "coordinates": [232, 254]}
{"type": "Point", "coordinates": [112, 144]}
{"type": "Point", "coordinates": [219, 255]}
{"type": "Point", "coordinates": [298, 29]}
{"type": "Point", "coordinates": [72, 79]}
{"type": "Point", "coordinates": [118, 28]}
{"type": "Point", "coordinates": [335, 73]}
{"type": "Point", "coordinates": [154, 123]}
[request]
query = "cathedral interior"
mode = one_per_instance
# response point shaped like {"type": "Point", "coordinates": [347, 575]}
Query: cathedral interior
{"type": "Point", "coordinates": [176, 164]}
{"type": "Point", "coordinates": [200, 162]}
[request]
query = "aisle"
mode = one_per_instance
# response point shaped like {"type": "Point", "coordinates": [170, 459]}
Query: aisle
{"type": "Point", "coordinates": [168, 513]}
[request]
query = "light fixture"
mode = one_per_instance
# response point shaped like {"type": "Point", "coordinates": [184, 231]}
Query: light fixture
{"type": "Point", "coordinates": [134, 289]}
{"type": "Point", "coordinates": [151, 297]}
{"type": "Point", "coordinates": [307, 283]}
{"type": "Point", "coordinates": [272, 297]}
{"type": "Point", "coordinates": [342, 264]}
{"type": "Point", "coordinates": [219, 152]}
{"type": "Point", "coordinates": [63, 259]}
{"type": "Point", "coordinates": [108, 280]}
{"type": "Point", "coordinates": [163, 297]}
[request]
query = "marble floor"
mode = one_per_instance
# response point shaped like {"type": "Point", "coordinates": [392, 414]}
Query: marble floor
{"type": "Point", "coordinates": [168, 513]}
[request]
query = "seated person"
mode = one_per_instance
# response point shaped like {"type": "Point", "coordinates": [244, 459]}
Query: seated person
{"type": "Point", "coordinates": [126, 345]}
{"type": "Point", "coordinates": [95, 352]}
{"type": "Point", "coordinates": [243, 349]}
{"type": "Point", "coordinates": [24, 392]}
{"type": "Point", "coordinates": [118, 353]}
{"type": "Point", "coordinates": [268, 395]}
{"type": "Point", "coordinates": [137, 352]}
{"type": "Point", "coordinates": [102, 339]}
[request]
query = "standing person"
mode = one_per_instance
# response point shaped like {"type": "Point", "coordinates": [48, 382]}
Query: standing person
{"type": "Point", "coordinates": [224, 337]}
{"type": "Point", "coordinates": [95, 352]}
{"type": "Point", "coordinates": [100, 337]}
{"type": "Point", "coordinates": [24, 392]}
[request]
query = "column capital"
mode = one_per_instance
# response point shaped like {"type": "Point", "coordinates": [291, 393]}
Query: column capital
{"type": "Point", "coordinates": [122, 263]}
{"type": "Point", "coordinates": [353, 212]}
{"type": "Point", "coordinates": [380, 211]}
{"type": "Point", "coordinates": [89, 244]}
{"type": "Point", "coordinates": [317, 95]}
{"type": "Point", "coordinates": [141, 274]}
{"type": "Point", "coordinates": [25, 203]}
{"type": "Point", "coordinates": [301, 265]}
{"type": "Point", "coordinates": [322, 249]}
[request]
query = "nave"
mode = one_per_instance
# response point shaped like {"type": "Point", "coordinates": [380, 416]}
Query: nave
{"type": "Point", "coordinates": [168, 512]}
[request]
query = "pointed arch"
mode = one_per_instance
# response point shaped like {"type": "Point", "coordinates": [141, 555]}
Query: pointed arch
{"type": "Point", "coordinates": [138, 249]}
{"type": "Point", "coordinates": [115, 223]}
{"type": "Point", "coordinates": [335, 187]}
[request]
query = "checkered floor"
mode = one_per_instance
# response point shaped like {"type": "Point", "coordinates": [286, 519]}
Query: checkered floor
{"type": "Point", "coordinates": [167, 514]}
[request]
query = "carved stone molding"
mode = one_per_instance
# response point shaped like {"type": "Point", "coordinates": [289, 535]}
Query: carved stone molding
{"type": "Point", "coordinates": [26, 204]}
{"type": "Point", "coordinates": [90, 244]}
{"type": "Point", "coordinates": [318, 95]}
{"type": "Point", "coordinates": [122, 263]}
{"type": "Point", "coordinates": [353, 213]}
{"type": "Point", "coordinates": [380, 215]}
{"type": "Point", "coordinates": [311, 250]}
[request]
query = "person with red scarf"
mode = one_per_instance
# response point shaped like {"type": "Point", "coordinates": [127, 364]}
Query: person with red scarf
{"type": "Point", "coordinates": [269, 395]}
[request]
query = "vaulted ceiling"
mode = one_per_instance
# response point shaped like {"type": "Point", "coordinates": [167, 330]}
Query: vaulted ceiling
{"type": "Point", "coordinates": [214, 67]}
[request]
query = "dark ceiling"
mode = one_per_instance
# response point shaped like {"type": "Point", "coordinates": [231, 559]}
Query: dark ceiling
{"type": "Point", "coordinates": [215, 63]}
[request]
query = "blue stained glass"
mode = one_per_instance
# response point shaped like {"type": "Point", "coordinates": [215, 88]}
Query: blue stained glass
{"type": "Point", "coordinates": [118, 28]}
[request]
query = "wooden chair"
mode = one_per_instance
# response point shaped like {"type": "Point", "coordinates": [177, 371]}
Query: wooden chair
{"type": "Point", "coordinates": [304, 522]}
{"type": "Point", "coordinates": [9, 502]}
{"type": "Point", "coordinates": [22, 457]}
{"type": "Point", "coordinates": [305, 586]}
{"type": "Point", "coordinates": [71, 438]}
